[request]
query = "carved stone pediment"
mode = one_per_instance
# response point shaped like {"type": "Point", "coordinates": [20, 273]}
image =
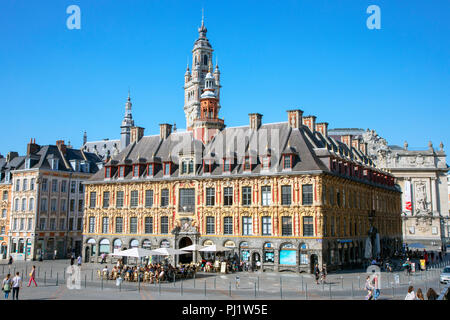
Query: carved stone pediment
{"type": "Point", "coordinates": [185, 226]}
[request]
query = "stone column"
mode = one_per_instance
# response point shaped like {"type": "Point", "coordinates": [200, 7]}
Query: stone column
{"type": "Point", "coordinates": [434, 203]}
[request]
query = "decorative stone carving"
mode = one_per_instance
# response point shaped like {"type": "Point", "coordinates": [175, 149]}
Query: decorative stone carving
{"type": "Point", "coordinates": [421, 203]}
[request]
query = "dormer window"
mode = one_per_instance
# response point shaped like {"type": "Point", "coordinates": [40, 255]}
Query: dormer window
{"type": "Point", "coordinates": [287, 162]}
{"type": "Point", "coordinates": [121, 171]}
{"type": "Point", "coordinates": [150, 169]}
{"type": "Point", "coordinates": [266, 162]}
{"type": "Point", "coordinates": [85, 167]}
{"type": "Point", "coordinates": [187, 166]}
{"type": "Point", "coordinates": [207, 166]}
{"type": "Point", "coordinates": [226, 165]}
{"type": "Point", "coordinates": [107, 172]}
{"type": "Point", "coordinates": [54, 164]}
{"type": "Point", "coordinates": [7, 176]}
{"type": "Point", "coordinates": [75, 165]}
{"type": "Point", "coordinates": [167, 168]}
{"type": "Point", "coordinates": [28, 163]}
{"type": "Point", "coordinates": [136, 171]}
{"type": "Point", "coordinates": [247, 164]}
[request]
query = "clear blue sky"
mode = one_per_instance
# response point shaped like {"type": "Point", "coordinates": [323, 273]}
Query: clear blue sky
{"type": "Point", "coordinates": [317, 55]}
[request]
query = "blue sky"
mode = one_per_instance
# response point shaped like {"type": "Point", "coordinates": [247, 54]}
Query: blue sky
{"type": "Point", "coordinates": [318, 56]}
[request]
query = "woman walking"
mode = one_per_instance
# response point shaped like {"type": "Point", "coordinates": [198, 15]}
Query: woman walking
{"type": "Point", "coordinates": [317, 273]}
{"type": "Point", "coordinates": [33, 276]}
{"type": "Point", "coordinates": [431, 294]}
{"type": "Point", "coordinates": [6, 285]}
{"type": "Point", "coordinates": [369, 288]}
{"type": "Point", "coordinates": [419, 294]}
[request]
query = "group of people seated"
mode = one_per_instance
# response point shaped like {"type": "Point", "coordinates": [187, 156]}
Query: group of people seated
{"type": "Point", "coordinates": [152, 273]}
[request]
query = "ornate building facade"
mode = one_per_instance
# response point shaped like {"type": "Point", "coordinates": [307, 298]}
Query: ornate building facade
{"type": "Point", "coordinates": [422, 177]}
{"type": "Point", "coordinates": [285, 194]}
{"type": "Point", "coordinates": [46, 211]}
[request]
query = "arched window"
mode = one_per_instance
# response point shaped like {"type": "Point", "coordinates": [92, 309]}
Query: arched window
{"type": "Point", "coordinates": [104, 246]}
{"type": "Point", "coordinates": [24, 204]}
{"type": "Point", "coordinates": [31, 204]}
{"type": "Point", "coordinates": [134, 243]}
{"type": "Point", "coordinates": [117, 244]}
{"type": "Point", "coordinates": [205, 60]}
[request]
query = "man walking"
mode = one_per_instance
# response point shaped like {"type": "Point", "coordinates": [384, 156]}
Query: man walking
{"type": "Point", "coordinates": [16, 285]}
{"type": "Point", "coordinates": [32, 276]}
{"type": "Point", "coordinates": [79, 260]}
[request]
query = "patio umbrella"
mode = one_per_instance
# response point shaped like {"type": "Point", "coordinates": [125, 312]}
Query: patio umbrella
{"type": "Point", "coordinates": [193, 247]}
{"type": "Point", "coordinates": [168, 252]}
{"type": "Point", "coordinates": [416, 245]}
{"type": "Point", "coordinates": [215, 248]}
{"type": "Point", "coordinates": [135, 253]}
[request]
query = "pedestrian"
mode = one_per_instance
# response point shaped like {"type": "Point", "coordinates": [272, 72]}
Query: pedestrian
{"type": "Point", "coordinates": [324, 273]}
{"type": "Point", "coordinates": [369, 288]}
{"type": "Point", "coordinates": [6, 285]}
{"type": "Point", "coordinates": [103, 258]}
{"type": "Point", "coordinates": [317, 273]}
{"type": "Point", "coordinates": [431, 294]}
{"type": "Point", "coordinates": [55, 253]}
{"type": "Point", "coordinates": [79, 260]}
{"type": "Point", "coordinates": [410, 295]}
{"type": "Point", "coordinates": [72, 260]}
{"type": "Point", "coordinates": [419, 294]}
{"type": "Point", "coordinates": [376, 287]}
{"type": "Point", "coordinates": [32, 276]}
{"type": "Point", "coordinates": [16, 285]}
{"type": "Point", "coordinates": [10, 261]}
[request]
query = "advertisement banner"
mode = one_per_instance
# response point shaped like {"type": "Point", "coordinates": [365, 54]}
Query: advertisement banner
{"type": "Point", "coordinates": [288, 257]}
{"type": "Point", "coordinates": [407, 193]}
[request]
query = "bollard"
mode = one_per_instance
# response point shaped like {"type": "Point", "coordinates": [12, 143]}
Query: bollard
{"type": "Point", "coordinates": [174, 279]}
{"type": "Point", "coordinates": [51, 272]}
{"type": "Point", "coordinates": [258, 283]}
{"type": "Point", "coordinates": [352, 291]}
{"type": "Point", "coordinates": [281, 289]}
{"type": "Point", "coordinates": [342, 279]}
{"type": "Point", "coordinates": [229, 289]}
{"type": "Point", "coordinates": [85, 280]}
{"type": "Point", "coordinates": [194, 280]}
{"type": "Point", "coordinates": [323, 285]}
{"type": "Point", "coordinates": [57, 275]}
{"type": "Point", "coordinates": [330, 291]}
{"type": "Point", "coordinates": [205, 288]}
{"type": "Point", "coordinates": [26, 271]}
{"type": "Point", "coordinates": [45, 278]}
{"type": "Point", "coordinates": [64, 276]}
{"type": "Point", "coordinates": [359, 282]}
{"type": "Point", "coordinates": [302, 283]}
{"type": "Point", "coordinates": [215, 282]}
{"type": "Point", "coordinates": [139, 284]}
{"type": "Point", "coordinates": [306, 291]}
{"type": "Point", "coordinates": [255, 289]}
{"type": "Point", "coordinates": [181, 287]}
{"type": "Point", "coordinates": [39, 268]}
{"type": "Point", "coordinates": [102, 282]}
{"type": "Point", "coordinates": [393, 292]}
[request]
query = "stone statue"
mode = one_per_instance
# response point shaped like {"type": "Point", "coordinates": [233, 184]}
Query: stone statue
{"type": "Point", "coordinates": [421, 198]}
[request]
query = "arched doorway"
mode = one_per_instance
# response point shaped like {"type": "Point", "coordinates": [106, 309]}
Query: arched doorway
{"type": "Point", "coordinates": [313, 259]}
{"type": "Point", "coordinates": [87, 255]}
{"type": "Point", "coordinates": [184, 242]}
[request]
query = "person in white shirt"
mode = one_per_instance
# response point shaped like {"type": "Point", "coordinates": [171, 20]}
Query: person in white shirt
{"type": "Point", "coordinates": [79, 260]}
{"type": "Point", "coordinates": [410, 295]}
{"type": "Point", "coordinates": [16, 285]}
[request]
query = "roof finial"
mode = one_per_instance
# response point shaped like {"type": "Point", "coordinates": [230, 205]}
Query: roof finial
{"type": "Point", "coordinates": [203, 16]}
{"type": "Point", "coordinates": [128, 93]}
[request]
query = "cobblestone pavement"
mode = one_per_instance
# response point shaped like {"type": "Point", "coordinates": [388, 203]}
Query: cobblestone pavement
{"type": "Point", "coordinates": [51, 281]}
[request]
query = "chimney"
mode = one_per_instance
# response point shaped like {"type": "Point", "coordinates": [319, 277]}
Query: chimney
{"type": "Point", "coordinates": [61, 146]}
{"type": "Point", "coordinates": [356, 143]}
{"type": "Point", "coordinates": [165, 130]}
{"type": "Point", "coordinates": [11, 155]}
{"type": "Point", "coordinates": [322, 127]}
{"type": "Point", "coordinates": [255, 120]}
{"type": "Point", "coordinates": [310, 122]}
{"type": "Point", "coordinates": [136, 134]}
{"type": "Point", "coordinates": [32, 147]}
{"type": "Point", "coordinates": [295, 118]}
{"type": "Point", "coordinates": [347, 139]}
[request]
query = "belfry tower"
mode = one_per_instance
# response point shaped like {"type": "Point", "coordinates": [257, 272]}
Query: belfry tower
{"type": "Point", "coordinates": [127, 124]}
{"type": "Point", "coordinates": [194, 83]}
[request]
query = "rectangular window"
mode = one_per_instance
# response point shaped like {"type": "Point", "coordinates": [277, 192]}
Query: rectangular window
{"type": "Point", "coordinates": [80, 223]}
{"type": "Point", "coordinates": [266, 163]}
{"type": "Point", "coordinates": [133, 225]}
{"type": "Point", "coordinates": [266, 196]}
{"type": "Point", "coordinates": [5, 195]}
{"type": "Point", "coordinates": [286, 195]}
{"type": "Point", "coordinates": [286, 226]}
{"type": "Point", "coordinates": [73, 187]}
{"type": "Point", "coordinates": [246, 196]}
{"type": "Point", "coordinates": [210, 197]}
{"type": "Point", "coordinates": [308, 227]}
{"type": "Point", "coordinates": [105, 224]}
{"type": "Point", "coordinates": [148, 198]}
{"type": "Point", "coordinates": [307, 194]}
{"type": "Point", "coordinates": [18, 185]}
{"type": "Point", "coordinates": [164, 225]}
{"type": "Point", "coordinates": [91, 224]}
{"type": "Point", "coordinates": [187, 200]}
{"type": "Point", "coordinates": [62, 224]}
{"type": "Point", "coordinates": [150, 169]}
{"type": "Point", "coordinates": [287, 162]}
{"type": "Point", "coordinates": [325, 226]}
{"type": "Point", "coordinates": [247, 165]}
{"type": "Point", "coordinates": [134, 198]}
{"type": "Point", "coordinates": [266, 226]}
{"type": "Point", "coordinates": [80, 187]}
{"type": "Point", "coordinates": [135, 171]}
{"type": "Point", "coordinates": [226, 165]}
{"type": "Point", "coordinates": [148, 225]}
{"type": "Point", "coordinates": [80, 205]}
{"type": "Point", "coordinates": [119, 224]}
{"type": "Point", "coordinates": [63, 205]}
{"type": "Point", "coordinates": [324, 195]}
{"type": "Point", "coordinates": [228, 196]}
{"type": "Point", "coordinates": [72, 205]}
{"type": "Point", "coordinates": [164, 197]}
{"type": "Point", "coordinates": [63, 186]}
{"type": "Point", "coordinates": [14, 224]}
{"type": "Point", "coordinates": [4, 213]}
{"type": "Point", "coordinates": [43, 205]}
{"type": "Point", "coordinates": [228, 225]}
{"type": "Point", "coordinates": [92, 199]}
{"type": "Point", "coordinates": [44, 185]}
{"type": "Point", "coordinates": [210, 224]}
{"type": "Point", "coordinates": [71, 224]}
{"type": "Point", "coordinates": [22, 223]}
{"type": "Point", "coordinates": [42, 224]}
{"type": "Point", "coordinates": [32, 184]}
{"type": "Point", "coordinates": [106, 199]}
{"type": "Point", "coordinates": [25, 184]}
{"type": "Point", "coordinates": [247, 226]}
{"type": "Point", "coordinates": [121, 171]}
{"type": "Point", "coordinates": [119, 199]}
{"type": "Point", "coordinates": [167, 169]}
{"type": "Point", "coordinates": [52, 224]}
{"type": "Point", "coordinates": [54, 185]}
{"type": "Point", "coordinates": [53, 205]}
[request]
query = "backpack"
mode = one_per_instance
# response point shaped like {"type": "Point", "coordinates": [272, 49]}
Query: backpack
{"type": "Point", "coordinates": [7, 286]}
